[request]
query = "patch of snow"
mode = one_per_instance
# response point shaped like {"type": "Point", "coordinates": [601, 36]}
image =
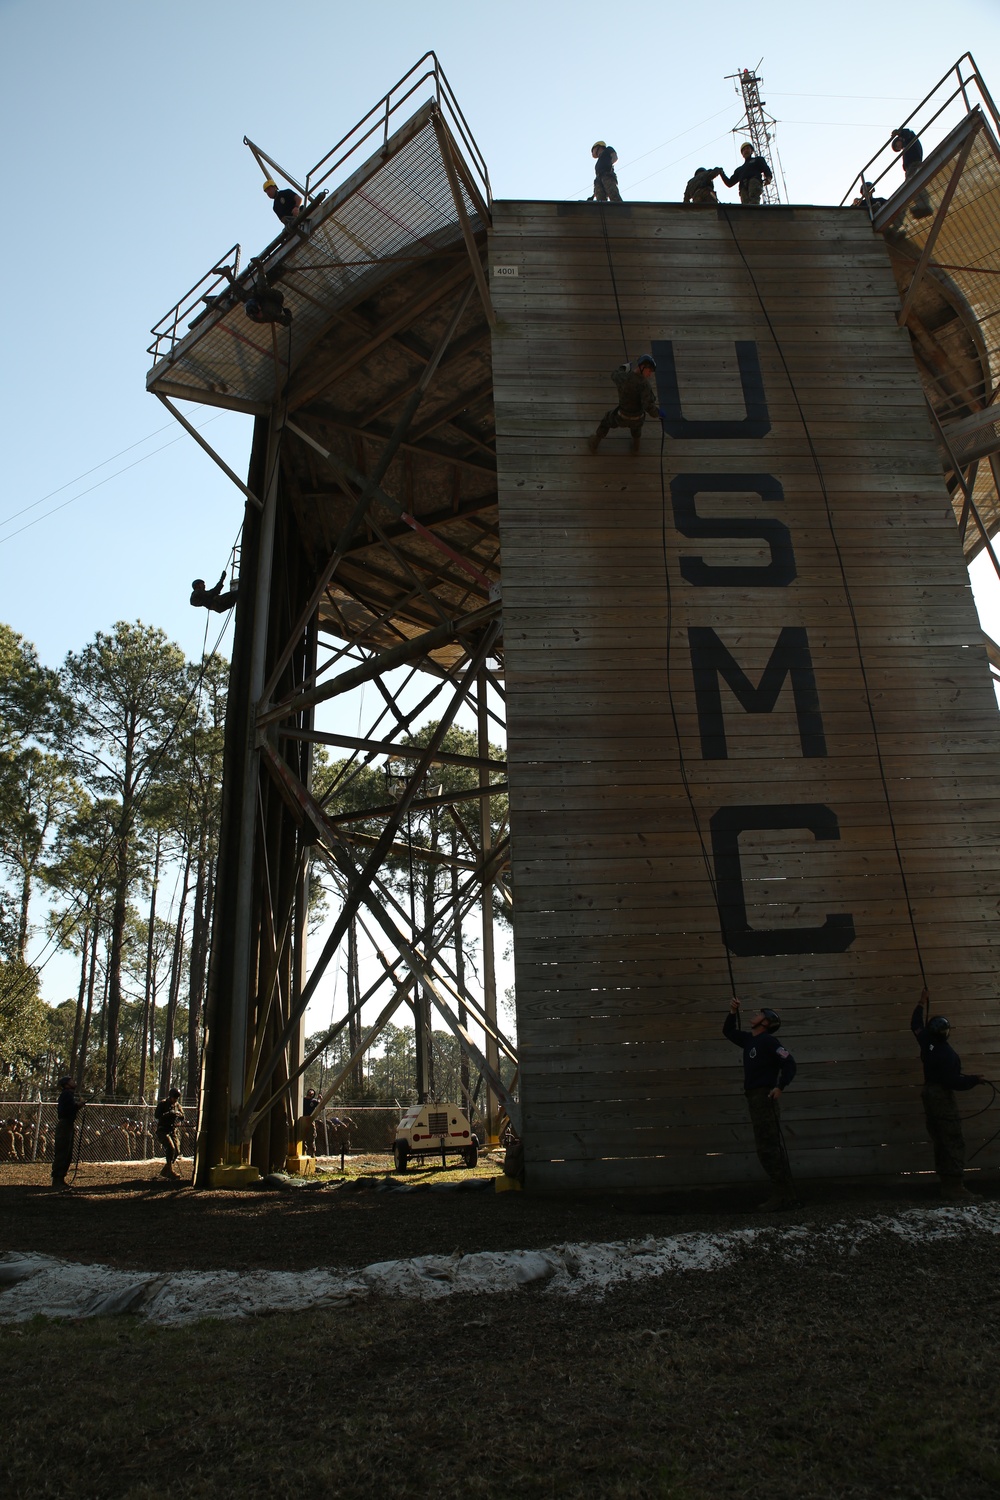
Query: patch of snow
{"type": "Point", "coordinates": [39, 1285]}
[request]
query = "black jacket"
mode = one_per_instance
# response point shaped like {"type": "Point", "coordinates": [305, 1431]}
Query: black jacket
{"type": "Point", "coordinates": [766, 1063]}
{"type": "Point", "coordinates": [942, 1064]}
{"type": "Point", "coordinates": [605, 163]}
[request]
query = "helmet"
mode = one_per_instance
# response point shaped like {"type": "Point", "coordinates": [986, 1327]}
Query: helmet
{"type": "Point", "coordinates": [939, 1026]}
{"type": "Point", "coordinates": [645, 361]}
{"type": "Point", "coordinates": [174, 1094]}
{"type": "Point", "coordinates": [771, 1017]}
{"type": "Point", "coordinates": [270, 183]}
{"type": "Point", "coordinates": [64, 1083]}
{"type": "Point", "coordinates": [599, 146]}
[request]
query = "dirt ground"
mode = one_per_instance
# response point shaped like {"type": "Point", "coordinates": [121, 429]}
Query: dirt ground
{"type": "Point", "coordinates": [803, 1380]}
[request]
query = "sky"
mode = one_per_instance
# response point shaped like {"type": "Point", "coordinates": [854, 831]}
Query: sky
{"type": "Point", "coordinates": [124, 123]}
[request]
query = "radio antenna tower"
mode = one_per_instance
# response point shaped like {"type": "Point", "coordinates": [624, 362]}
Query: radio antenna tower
{"type": "Point", "coordinates": [760, 128]}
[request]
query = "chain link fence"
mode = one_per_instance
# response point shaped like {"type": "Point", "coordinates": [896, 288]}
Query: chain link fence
{"type": "Point", "coordinates": [108, 1132]}
{"type": "Point", "coordinates": [122, 1133]}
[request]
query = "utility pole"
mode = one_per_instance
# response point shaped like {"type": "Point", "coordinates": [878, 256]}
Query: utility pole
{"type": "Point", "coordinates": [760, 127]}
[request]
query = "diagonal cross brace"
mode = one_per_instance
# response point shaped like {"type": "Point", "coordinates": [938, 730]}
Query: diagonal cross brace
{"type": "Point", "coordinates": [294, 789]}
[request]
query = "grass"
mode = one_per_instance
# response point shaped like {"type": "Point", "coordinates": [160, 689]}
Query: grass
{"type": "Point", "coordinates": [874, 1377]}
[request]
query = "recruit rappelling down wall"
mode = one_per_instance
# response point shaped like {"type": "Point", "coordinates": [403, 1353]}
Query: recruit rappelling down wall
{"type": "Point", "coordinates": [752, 736]}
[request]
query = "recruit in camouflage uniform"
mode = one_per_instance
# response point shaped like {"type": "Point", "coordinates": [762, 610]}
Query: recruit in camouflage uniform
{"type": "Point", "coordinates": [605, 177]}
{"type": "Point", "coordinates": [636, 402]}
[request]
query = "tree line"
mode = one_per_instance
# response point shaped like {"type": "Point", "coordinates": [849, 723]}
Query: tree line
{"type": "Point", "coordinates": [110, 791]}
{"type": "Point", "coordinates": [110, 777]}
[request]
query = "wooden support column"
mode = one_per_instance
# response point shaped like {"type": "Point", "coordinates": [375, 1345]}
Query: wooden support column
{"type": "Point", "coordinates": [489, 956]}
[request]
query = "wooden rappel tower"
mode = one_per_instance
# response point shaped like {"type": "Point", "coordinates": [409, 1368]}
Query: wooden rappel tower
{"type": "Point", "coordinates": [749, 717]}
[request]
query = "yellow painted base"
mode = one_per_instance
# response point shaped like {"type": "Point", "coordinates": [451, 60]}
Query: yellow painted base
{"type": "Point", "coordinates": [301, 1166]}
{"type": "Point", "coordinates": [233, 1177]}
{"type": "Point", "coordinates": [507, 1185]}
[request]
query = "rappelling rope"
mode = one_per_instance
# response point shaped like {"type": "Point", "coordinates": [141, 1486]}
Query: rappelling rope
{"type": "Point", "coordinates": [696, 819]}
{"type": "Point", "coordinates": [710, 873]}
{"type": "Point", "coordinates": [614, 283]}
{"type": "Point", "coordinates": [847, 592]}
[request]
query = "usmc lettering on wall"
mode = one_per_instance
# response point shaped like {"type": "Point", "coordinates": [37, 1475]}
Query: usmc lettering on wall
{"type": "Point", "coordinates": [789, 668]}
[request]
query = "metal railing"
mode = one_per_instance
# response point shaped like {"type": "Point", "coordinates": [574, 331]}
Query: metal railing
{"type": "Point", "coordinates": [427, 77]}
{"type": "Point", "coordinates": [378, 117]}
{"type": "Point", "coordinates": [215, 283]}
{"type": "Point", "coordinates": [935, 114]}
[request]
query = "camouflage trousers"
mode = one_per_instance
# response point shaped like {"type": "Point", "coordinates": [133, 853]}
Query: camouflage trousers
{"type": "Point", "coordinates": [616, 419]}
{"type": "Point", "coordinates": [170, 1145]}
{"type": "Point", "coordinates": [765, 1119]}
{"type": "Point", "coordinates": [606, 188]}
{"type": "Point", "coordinates": [944, 1125]}
{"type": "Point", "coordinates": [751, 190]}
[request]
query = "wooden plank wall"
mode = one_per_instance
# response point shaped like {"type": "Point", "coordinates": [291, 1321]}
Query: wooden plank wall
{"type": "Point", "coordinates": [621, 973]}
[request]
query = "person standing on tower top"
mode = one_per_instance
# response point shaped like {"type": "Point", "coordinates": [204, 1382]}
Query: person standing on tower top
{"type": "Point", "coordinates": [907, 142]}
{"type": "Point", "coordinates": [605, 178]}
{"type": "Point", "coordinates": [752, 176]}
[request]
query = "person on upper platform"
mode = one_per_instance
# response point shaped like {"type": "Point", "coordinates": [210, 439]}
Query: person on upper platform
{"type": "Point", "coordinates": [213, 598]}
{"type": "Point", "coordinates": [908, 142]}
{"type": "Point", "coordinates": [285, 202]}
{"type": "Point", "coordinates": [768, 1069]}
{"type": "Point", "coordinates": [605, 178]}
{"type": "Point", "coordinates": [943, 1077]}
{"type": "Point", "coordinates": [636, 402]}
{"type": "Point", "coordinates": [701, 188]}
{"type": "Point", "coordinates": [751, 176]}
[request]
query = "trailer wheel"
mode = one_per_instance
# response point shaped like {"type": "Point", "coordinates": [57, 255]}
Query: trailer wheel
{"type": "Point", "coordinates": [471, 1154]}
{"type": "Point", "coordinates": [402, 1156]}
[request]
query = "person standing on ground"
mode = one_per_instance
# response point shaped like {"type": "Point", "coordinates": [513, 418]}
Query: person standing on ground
{"type": "Point", "coordinates": [309, 1106]}
{"type": "Point", "coordinates": [751, 176]}
{"type": "Point", "coordinates": [67, 1109]}
{"type": "Point", "coordinates": [908, 143]}
{"type": "Point", "coordinates": [768, 1069]}
{"type": "Point", "coordinates": [636, 402]}
{"type": "Point", "coordinates": [285, 202]}
{"type": "Point", "coordinates": [169, 1117]}
{"type": "Point", "coordinates": [605, 178]}
{"type": "Point", "coordinates": [943, 1077]}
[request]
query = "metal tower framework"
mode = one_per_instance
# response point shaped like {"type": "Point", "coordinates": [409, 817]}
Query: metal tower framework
{"type": "Point", "coordinates": [369, 550]}
{"type": "Point", "coordinates": [942, 227]}
{"type": "Point", "coordinates": [371, 556]}
{"type": "Point", "coordinates": [759, 127]}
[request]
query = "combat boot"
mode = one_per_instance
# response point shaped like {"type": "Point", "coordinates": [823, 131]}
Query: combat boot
{"type": "Point", "coordinates": [954, 1190]}
{"type": "Point", "coordinates": [782, 1198]}
{"type": "Point", "coordinates": [636, 440]}
{"type": "Point", "coordinates": [593, 443]}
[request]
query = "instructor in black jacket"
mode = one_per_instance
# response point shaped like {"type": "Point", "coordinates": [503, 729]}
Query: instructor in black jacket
{"type": "Point", "coordinates": [768, 1069]}
{"type": "Point", "coordinates": [943, 1077]}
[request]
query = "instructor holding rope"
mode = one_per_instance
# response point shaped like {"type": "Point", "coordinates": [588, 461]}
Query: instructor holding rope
{"type": "Point", "coordinates": [768, 1069]}
{"type": "Point", "coordinates": [67, 1109]}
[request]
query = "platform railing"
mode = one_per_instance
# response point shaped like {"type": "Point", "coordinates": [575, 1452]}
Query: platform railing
{"type": "Point", "coordinates": [427, 70]}
{"type": "Point", "coordinates": [962, 82]}
{"type": "Point", "coordinates": [175, 324]}
{"type": "Point", "coordinates": [425, 77]}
